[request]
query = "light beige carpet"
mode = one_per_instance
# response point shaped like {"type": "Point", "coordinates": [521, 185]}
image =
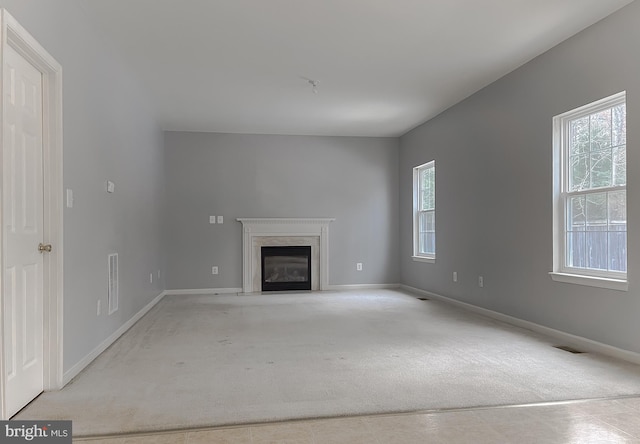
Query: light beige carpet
{"type": "Point", "coordinates": [213, 360]}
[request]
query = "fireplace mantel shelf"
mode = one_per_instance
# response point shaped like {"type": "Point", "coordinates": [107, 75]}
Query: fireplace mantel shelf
{"type": "Point", "coordinates": [257, 231]}
{"type": "Point", "coordinates": [246, 221]}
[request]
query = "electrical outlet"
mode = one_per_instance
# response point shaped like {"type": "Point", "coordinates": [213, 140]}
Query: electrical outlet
{"type": "Point", "coordinates": [212, 219]}
{"type": "Point", "coordinates": [214, 270]}
{"type": "Point", "coordinates": [151, 278]}
{"type": "Point", "coordinates": [455, 276]}
{"type": "Point", "coordinates": [98, 309]}
{"type": "Point", "coordinates": [220, 219]}
{"type": "Point", "coordinates": [480, 281]}
{"type": "Point", "coordinates": [359, 266]}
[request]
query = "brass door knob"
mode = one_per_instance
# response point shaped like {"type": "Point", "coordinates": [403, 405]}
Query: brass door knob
{"type": "Point", "coordinates": [42, 248]}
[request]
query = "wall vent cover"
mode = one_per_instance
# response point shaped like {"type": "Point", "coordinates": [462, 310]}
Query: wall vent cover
{"type": "Point", "coordinates": [113, 282]}
{"type": "Point", "coordinates": [568, 349]}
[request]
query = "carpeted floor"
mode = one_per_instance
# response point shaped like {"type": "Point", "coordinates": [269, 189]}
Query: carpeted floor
{"type": "Point", "coordinates": [212, 360]}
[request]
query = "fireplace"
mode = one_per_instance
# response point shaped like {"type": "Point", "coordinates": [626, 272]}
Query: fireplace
{"type": "Point", "coordinates": [286, 268]}
{"type": "Point", "coordinates": [284, 232]}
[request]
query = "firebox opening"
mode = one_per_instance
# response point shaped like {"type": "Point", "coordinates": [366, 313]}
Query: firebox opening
{"type": "Point", "coordinates": [286, 268]}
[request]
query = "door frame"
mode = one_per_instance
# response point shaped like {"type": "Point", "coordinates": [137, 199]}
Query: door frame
{"type": "Point", "coordinates": [15, 36]}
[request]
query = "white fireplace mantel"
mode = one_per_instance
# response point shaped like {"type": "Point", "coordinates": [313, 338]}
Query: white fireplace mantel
{"type": "Point", "coordinates": [258, 232]}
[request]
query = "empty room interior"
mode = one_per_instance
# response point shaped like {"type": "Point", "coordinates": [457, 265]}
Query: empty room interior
{"type": "Point", "coordinates": [314, 222]}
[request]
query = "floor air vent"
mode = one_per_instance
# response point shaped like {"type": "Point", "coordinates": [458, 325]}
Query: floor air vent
{"type": "Point", "coordinates": [423, 299]}
{"type": "Point", "coordinates": [568, 349]}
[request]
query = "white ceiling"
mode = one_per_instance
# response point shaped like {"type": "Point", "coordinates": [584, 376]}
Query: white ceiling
{"type": "Point", "coordinates": [383, 66]}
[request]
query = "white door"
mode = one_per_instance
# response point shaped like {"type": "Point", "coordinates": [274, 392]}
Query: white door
{"type": "Point", "coordinates": [22, 231]}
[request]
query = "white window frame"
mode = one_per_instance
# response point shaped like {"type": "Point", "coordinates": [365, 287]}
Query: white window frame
{"type": "Point", "coordinates": [417, 255]}
{"type": "Point", "coordinates": [561, 271]}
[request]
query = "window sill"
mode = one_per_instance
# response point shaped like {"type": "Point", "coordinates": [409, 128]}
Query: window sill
{"type": "Point", "coordinates": [591, 281]}
{"type": "Point", "coordinates": [430, 260]}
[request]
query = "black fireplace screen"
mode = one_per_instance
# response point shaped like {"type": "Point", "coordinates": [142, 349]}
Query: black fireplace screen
{"type": "Point", "coordinates": [286, 268]}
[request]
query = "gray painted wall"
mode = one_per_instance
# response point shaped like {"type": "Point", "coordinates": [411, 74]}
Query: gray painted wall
{"type": "Point", "coordinates": [354, 180]}
{"type": "Point", "coordinates": [109, 133]}
{"type": "Point", "coordinates": [493, 156]}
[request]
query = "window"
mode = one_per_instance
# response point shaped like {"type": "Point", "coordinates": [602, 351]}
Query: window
{"type": "Point", "coordinates": [590, 212]}
{"type": "Point", "coordinates": [424, 212]}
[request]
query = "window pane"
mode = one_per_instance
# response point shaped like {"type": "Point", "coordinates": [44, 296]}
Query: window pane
{"type": "Point", "coordinates": [427, 189]}
{"type": "Point", "coordinates": [422, 222]}
{"type": "Point", "coordinates": [579, 136]}
{"type": "Point", "coordinates": [618, 208]}
{"type": "Point", "coordinates": [596, 211]}
{"type": "Point", "coordinates": [576, 256]}
{"type": "Point", "coordinates": [597, 249]}
{"type": "Point", "coordinates": [431, 243]}
{"type": "Point", "coordinates": [600, 130]}
{"type": "Point", "coordinates": [423, 243]}
{"type": "Point", "coordinates": [601, 169]}
{"type": "Point", "coordinates": [618, 251]}
{"type": "Point", "coordinates": [431, 221]}
{"type": "Point", "coordinates": [619, 125]}
{"type": "Point", "coordinates": [427, 243]}
{"type": "Point", "coordinates": [619, 165]}
{"type": "Point", "coordinates": [577, 217]}
{"type": "Point", "coordinates": [579, 172]}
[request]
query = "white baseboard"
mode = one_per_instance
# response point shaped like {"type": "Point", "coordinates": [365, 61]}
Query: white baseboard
{"type": "Point", "coordinates": [362, 287]}
{"type": "Point", "coordinates": [565, 338]}
{"type": "Point", "coordinates": [239, 290]}
{"type": "Point", "coordinates": [204, 291]}
{"type": "Point", "coordinates": [76, 369]}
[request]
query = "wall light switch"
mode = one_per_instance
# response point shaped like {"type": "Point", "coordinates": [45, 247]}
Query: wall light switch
{"type": "Point", "coordinates": [480, 281]}
{"type": "Point", "coordinates": [455, 276]}
{"type": "Point", "coordinates": [212, 219]}
{"type": "Point", "coordinates": [220, 219]}
{"type": "Point", "coordinates": [69, 198]}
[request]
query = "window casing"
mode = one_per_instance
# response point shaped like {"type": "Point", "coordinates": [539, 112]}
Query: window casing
{"type": "Point", "coordinates": [590, 217]}
{"type": "Point", "coordinates": [424, 212]}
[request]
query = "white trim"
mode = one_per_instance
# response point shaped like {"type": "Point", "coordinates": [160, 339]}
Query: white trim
{"type": "Point", "coordinates": [88, 359]}
{"type": "Point", "coordinates": [15, 36]}
{"type": "Point", "coordinates": [417, 256]}
{"type": "Point", "coordinates": [566, 338]}
{"type": "Point", "coordinates": [347, 287]}
{"type": "Point", "coordinates": [203, 291]}
{"type": "Point", "coordinates": [561, 271]}
{"type": "Point", "coordinates": [590, 281]}
{"type": "Point", "coordinates": [249, 221]}
{"type": "Point", "coordinates": [253, 228]}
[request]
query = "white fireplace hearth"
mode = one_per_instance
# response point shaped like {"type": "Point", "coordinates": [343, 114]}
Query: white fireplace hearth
{"type": "Point", "coordinates": [264, 232]}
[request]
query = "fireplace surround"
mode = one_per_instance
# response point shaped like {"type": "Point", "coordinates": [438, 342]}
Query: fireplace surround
{"type": "Point", "coordinates": [259, 232]}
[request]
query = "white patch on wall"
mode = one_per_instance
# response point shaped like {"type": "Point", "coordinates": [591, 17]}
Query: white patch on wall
{"type": "Point", "coordinates": [113, 282]}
